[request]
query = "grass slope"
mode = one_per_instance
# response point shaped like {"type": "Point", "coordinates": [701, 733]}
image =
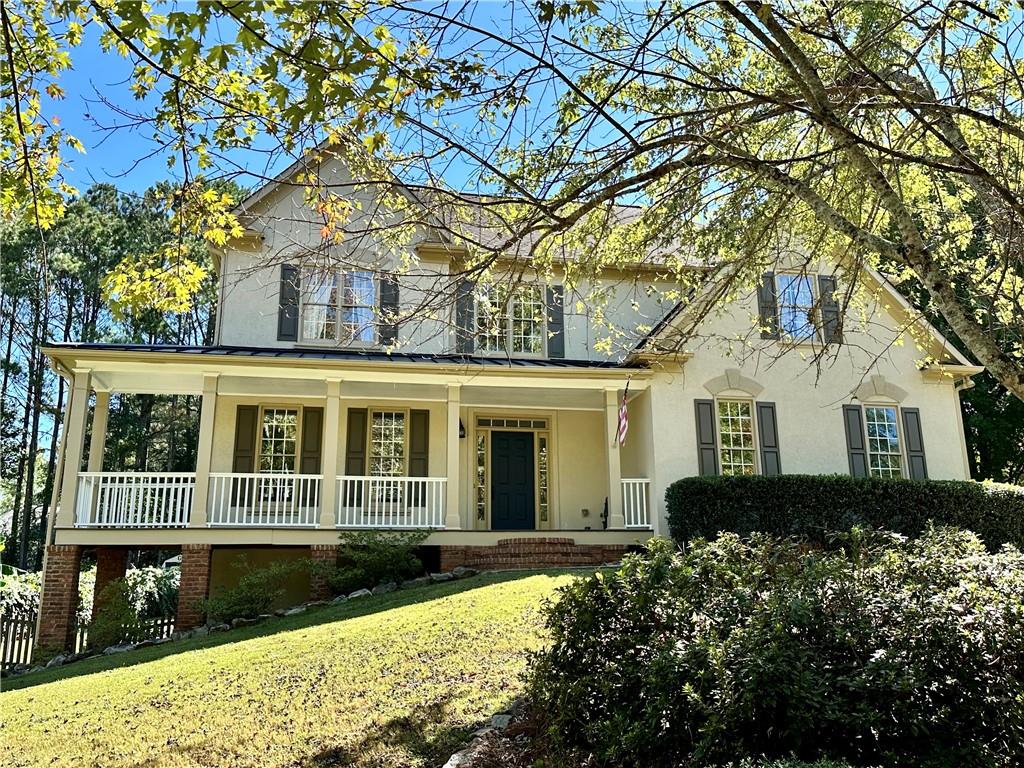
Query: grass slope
{"type": "Point", "coordinates": [395, 680]}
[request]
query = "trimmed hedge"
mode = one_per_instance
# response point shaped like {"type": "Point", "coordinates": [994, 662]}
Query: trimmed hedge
{"type": "Point", "coordinates": [814, 506]}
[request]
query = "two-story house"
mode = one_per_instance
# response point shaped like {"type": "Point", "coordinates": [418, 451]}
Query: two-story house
{"type": "Point", "coordinates": [492, 423]}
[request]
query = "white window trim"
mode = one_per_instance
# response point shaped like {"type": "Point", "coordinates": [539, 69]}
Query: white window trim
{"type": "Point", "coordinates": [337, 341]}
{"type": "Point", "coordinates": [541, 355]}
{"type": "Point", "coordinates": [298, 435]}
{"type": "Point", "coordinates": [784, 336]}
{"type": "Point", "coordinates": [900, 437]}
{"type": "Point", "coordinates": [753, 430]}
{"type": "Point", "coordinates": [405, 438]}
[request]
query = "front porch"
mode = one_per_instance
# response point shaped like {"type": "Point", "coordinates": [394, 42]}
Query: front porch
{"type": "Point", "coordinates": [300, 450]}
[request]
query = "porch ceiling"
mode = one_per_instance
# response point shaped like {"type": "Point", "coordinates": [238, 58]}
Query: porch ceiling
{"type": "Point", "coordinates": [534, 397]}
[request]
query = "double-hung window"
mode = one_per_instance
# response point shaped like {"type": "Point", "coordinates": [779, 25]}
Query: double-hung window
{"type": "Point", "coordinates": [278, 440]}
{"type": "Point", "coordinates": [736, 451]}
{"type": "Point", "coordinates": [885, 454]}
{"type": "Point", "coordinates": [511, 321]}
{"type": "Point", "coordinates": [796, 304]}
{"type": "Point", "coordinates": [387, 444]}
{"type": "Point", "coordinates": [339, 306]}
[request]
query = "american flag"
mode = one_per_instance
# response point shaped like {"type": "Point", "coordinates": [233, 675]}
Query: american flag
{"type": "Point", "coordinates": [620, 436]}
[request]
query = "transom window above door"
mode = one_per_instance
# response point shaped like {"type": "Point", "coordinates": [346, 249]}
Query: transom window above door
{"type": "Point", "coordinates": [510, 321]}
{"type": "Point", "coordinates": [339, 306]}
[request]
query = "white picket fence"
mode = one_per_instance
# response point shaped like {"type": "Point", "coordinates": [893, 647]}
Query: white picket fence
{"type": "Point", "coordinates": [391, 502]}
{"type": "Point", "coordinates": [636, 507]}
{"type": "Point", "coordinates": [264, 500]}
{"type": "Point", "coordinates": [134, 499]}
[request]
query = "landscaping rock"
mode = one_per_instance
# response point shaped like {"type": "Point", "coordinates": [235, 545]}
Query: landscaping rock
{"type": "Point", "coordinates": [437, 577]}
{"type": "Point", "coordinates": [501, 722]}
{"type": "Point", "coordinates": [360, 593]}
{"type": "Point", "coordinates": [241, 622]}
{"type": "Point", "coordinates": [385, 587]}
{"type": "Point", "coordinates": [280, 612]}
{"type": "Point", "coordinates": [459, 759]}
{"type": "Point", "coordinates": [462, 572]}
{"type": "Point", "coordinates": [339, 600]}
{"type": "Point", "coordinates": [199, 632]}
{"type": "Point", "coordinates": [37, 668]}
{"type": "Point", "coordinates": [315, 603]}
{"type": "Point", "coordinates": [265, 616]}
{"type": "Point", "coordinates": [417, 582]}
{"type": "Point", "coordinates": [56, 661]}
{"type": "Point", "coordinates": [295, 611]}
{"type": "Point", "coordinates": [145, 644]}
{"type": "Point", "coordinates": [220, 628]}
{"type": "Point", "coordinates": [110, 651]}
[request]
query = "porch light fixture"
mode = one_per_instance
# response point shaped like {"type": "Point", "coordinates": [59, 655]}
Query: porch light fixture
{"type": "Point", "coordinates": [462, 430]}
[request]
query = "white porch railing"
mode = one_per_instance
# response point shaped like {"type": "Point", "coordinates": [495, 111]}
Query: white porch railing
{"type": "Point", "coordinates": [264, 500]}
{"type": "Point", "coordinates": [391, 502]}
{"type": "Point", "coordinates": [134, 499]}
{"type": "Point", "coordinates": [636, 502]}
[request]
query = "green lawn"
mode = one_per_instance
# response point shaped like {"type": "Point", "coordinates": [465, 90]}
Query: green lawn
{"type": "Point", "coordinates": [394, 680]}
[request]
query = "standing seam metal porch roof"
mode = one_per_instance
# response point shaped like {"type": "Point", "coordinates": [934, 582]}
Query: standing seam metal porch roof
{"type": "Point", "coordinates": [346, 355]}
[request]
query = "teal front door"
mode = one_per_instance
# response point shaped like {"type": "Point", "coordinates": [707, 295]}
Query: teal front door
{"type": "Point", "coordinates": [512, 481]}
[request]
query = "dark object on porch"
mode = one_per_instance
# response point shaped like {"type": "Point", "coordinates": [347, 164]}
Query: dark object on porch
{"type": "Point", "coordinates": [810, 506]}
{"type": "Point", "coordinates": [510, 554]}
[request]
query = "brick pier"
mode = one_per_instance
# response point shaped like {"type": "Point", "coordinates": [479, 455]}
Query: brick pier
{"type": "Point", "coordinates": [59, 600]}
{"type": "Point", "coordinates": [195, 584]}
{"type": "Point", "coordinates": [323, 556]}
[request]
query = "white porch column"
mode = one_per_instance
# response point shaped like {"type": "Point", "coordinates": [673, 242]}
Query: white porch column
{"type": "Point", "coordinates": [329, 465]}
{"type": "Point", "coordinates": [616, 519]}
{"type": "Point", "coordinates": [453, 520]}
{"type": "Point", "coordinates": [78, 412]}
{"type": "Point", "coordinates": [204, 451]}
{"type": "Point", "coordinates": [98, 441]}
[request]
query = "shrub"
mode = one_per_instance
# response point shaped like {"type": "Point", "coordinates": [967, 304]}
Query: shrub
{"type": "Point", "coordinates": [812, 505]}
{"type": "Point", "coordinates": [882, 651]}
{"type": "Point", "coordinates": [256, 592]}
{"type": "Point", "coordinates": [368, 558]}
{"type": "Point", "coordinates": [117, 616]}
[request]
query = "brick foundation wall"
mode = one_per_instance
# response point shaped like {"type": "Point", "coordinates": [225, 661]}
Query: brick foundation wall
{"type": "Point", "coordinates": [323, 556]}
{"type": "Point", "coordinates": [195, 584]}
{"type": "Point", "coordinates": [59, 600]}
{"type": "Point", "coordinates": [530, 553]}
{"type": "Point", "coordinates": [111, 564]}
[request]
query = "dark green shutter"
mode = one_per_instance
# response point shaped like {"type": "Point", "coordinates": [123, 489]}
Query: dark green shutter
{"type": "Point", "coordinates": [768, 438]}
{"type": "Point", "coordinates": [288, 304]}
{"type": "Point", "coordinates": [915, 444]}
{"type": "Point", "coordinates": [464, 336]}
{"type": "Point", "coordinates": [556, 321]}
{"type": "Point", "coordinates": [245, 439]}
{"type": "Point", "coordinates": [419, 443]}
{"type": "Point", "coordinates": [310, 450]}
{"type": "Point", "coordinates": [244, 458]}
{"type": "Point", "coordinates": [312, 441]}
{"type": "Point", "coordinates": [419, 454]}
{"type": "Point", "coordinates": [707, 445]}
{"type": "Point", "coordinates": [768, 307]}
{"type": "Point", "coordinates": [388, 310]}
{"type": "Point", "coordinates": [831, 328]}
{"type": "Point", "coordinates": [856, 448]}
{"type": "Point", "coordinates": [355, 443]}
{"type": "Point", "coordinates": [355, 453]}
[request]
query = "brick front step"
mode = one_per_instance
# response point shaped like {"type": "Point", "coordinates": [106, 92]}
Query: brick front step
{"type": "Point", "coordinates": [530, 553]}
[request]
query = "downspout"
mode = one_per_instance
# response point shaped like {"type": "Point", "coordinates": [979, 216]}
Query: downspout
{"type": "Point", "coordinates": [962, 385]}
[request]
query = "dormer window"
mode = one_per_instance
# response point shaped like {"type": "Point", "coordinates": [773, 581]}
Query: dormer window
{"type": "Point", "coordinates": [339, 306]}
{"type": "Point", "coordinates": [510, 321]}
